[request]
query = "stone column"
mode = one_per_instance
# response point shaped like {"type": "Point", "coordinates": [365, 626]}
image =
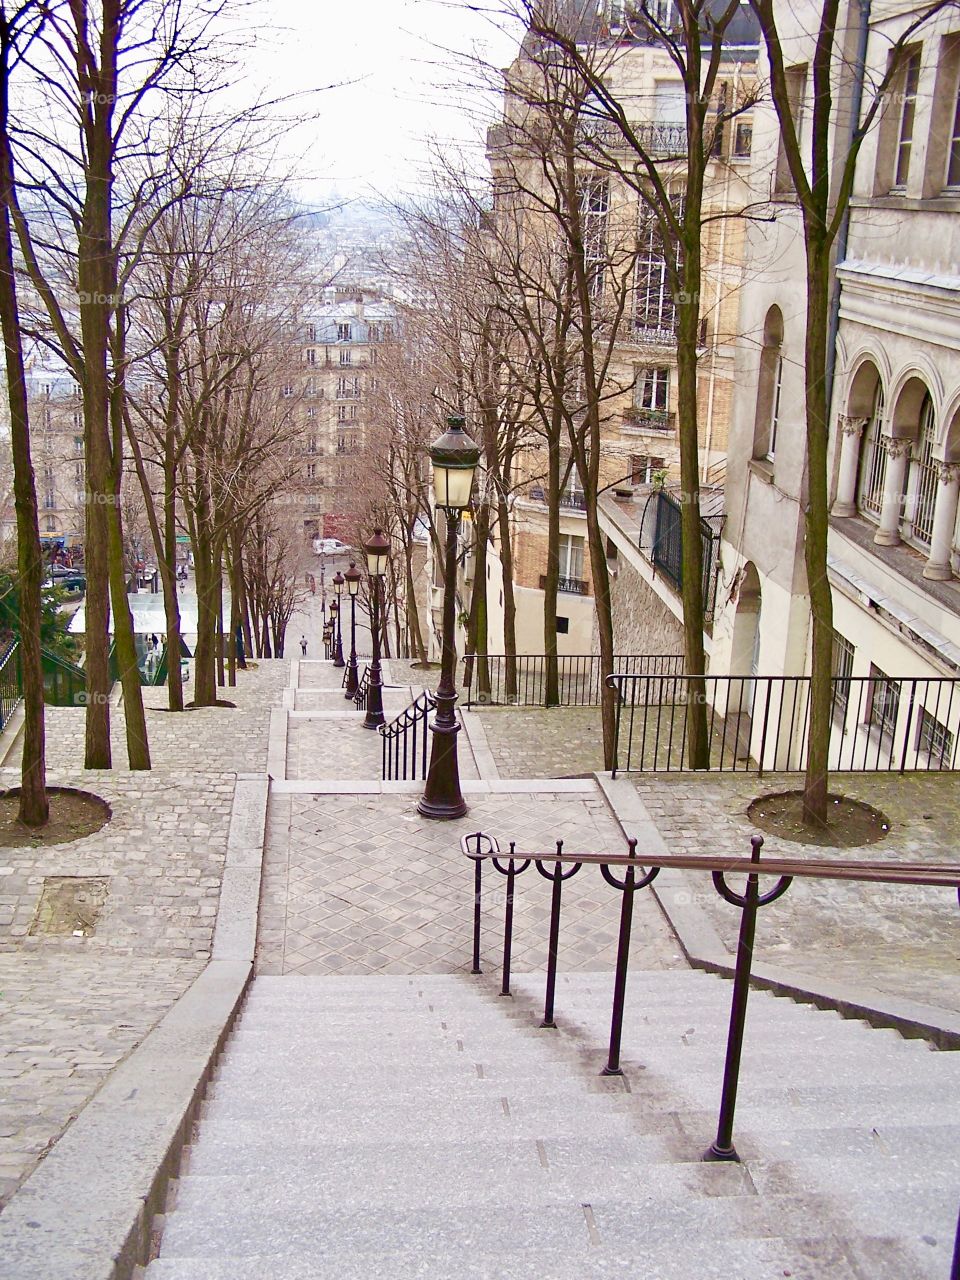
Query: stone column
{"type": "Point", "coordinates": [851, 429]}
{"type": "Point", "coordinates": [944, 523]}
{"type": "Point", "coordinates": [898, 451]}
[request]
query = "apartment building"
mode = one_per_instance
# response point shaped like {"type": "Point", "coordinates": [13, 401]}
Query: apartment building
{"type": "Point", "coordinates": [895, 420]}
{"type": "Point", "coordinates": [339, 341]}
{"type": "Point", "coordinates": [640, 453]}
{"type": "Point", "coordinates": [56, 437]}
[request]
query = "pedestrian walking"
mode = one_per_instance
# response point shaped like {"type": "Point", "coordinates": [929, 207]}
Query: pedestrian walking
{"type": "Point", "coordinates": [303, 645]}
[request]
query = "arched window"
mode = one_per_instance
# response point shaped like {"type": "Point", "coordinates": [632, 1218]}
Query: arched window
{"type": "Point", "coordinates": [873, 460]}
{"type": "Point", "coordinates": [769, 385]}
{"type": "Point", "coordinates": [921, 486]}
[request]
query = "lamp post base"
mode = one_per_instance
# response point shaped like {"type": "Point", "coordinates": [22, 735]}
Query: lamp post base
{"type": "Point", "coordinates": [353, 683]}
{"type": "Point", "coordinates": [442, 797]}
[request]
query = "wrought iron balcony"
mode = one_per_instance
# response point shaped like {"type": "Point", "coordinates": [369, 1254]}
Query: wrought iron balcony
{"type": "Point", "coordinates": [572, 586]}
{"type": "Point", "coordinates": [657, 139]}
{"type": "Point", "coordinates": [648, 419]}
{"type": "Point", "coordinates": [574, 499]}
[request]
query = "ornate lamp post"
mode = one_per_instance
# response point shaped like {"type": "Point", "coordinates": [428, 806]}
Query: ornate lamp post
{"type": "Point", "coordinates": [335, 611]}
{"type": "Point", "coordinates": [454, 457]}
{"type": "Point", "coordinates": [377, 549]}
{"type": "Point", "coordinates": [352, 578]}
{"type": "Point", "coordinates": [327, 638]}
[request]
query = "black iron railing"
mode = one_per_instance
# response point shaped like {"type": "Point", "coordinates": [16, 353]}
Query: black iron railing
{"type": "Point", "coordinates": [632, 871]}
{"type": "Point", "coordinates": [522, 681]}
{"type": "Point", "coordinates": [11, 683]}
{"type": "Point", "coordinates": [666, 550]}
{"type": "Point", "coordinates": [760, 724]}
{"type": "Point", "coordinates": [572, 586]}
{"type": "Point", "coordinates": [406, 742]}
{"type": "Point", "coordinates": [363, 685]}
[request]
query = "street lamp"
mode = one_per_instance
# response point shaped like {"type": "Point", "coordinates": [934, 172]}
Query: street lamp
{"type": "Point", "coordinates": [454, 457]}
{"type": "Point", "coordinates": [352, 578]}
{"type": "Point", "coordinates": [335, 610]}
{"type": "Point", "coordinates": [377, 549]}
{"type": "Point", "coordinates": [327, 638]}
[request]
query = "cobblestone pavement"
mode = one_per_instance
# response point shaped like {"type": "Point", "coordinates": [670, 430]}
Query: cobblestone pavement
{"type": "Point", "coordinates": [530, 742]}
{"type": "Point", "coordinates": [72, 1007]}
{"type": "Point", "coordinates": [896, 939]}
{"type": "Point", "coordinates": [362, 884]}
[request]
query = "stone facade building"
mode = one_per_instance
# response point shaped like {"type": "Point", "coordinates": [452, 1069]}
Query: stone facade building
{"type": "Point", "coordinates": [895, 421]}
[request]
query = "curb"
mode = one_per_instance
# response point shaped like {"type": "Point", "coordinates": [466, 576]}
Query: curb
{"type": "Point", "coordinates": [85, 1212]}
{"type": "Point", "coordinates": [704, 949]}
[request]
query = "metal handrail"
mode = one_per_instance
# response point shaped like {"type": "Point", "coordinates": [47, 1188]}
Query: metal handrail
{"type": "Point", "coordinates": [363, 685]}
{"type": "Point", "coordinates": [521, 679]}
{"type": "Point", "coordinates": [410, 728]}
{"type": "Point", "coordinates": [640, 871]}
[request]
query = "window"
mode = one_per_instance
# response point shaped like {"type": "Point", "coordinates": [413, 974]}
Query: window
{"type": "Point", "coordinates": [563, 626]}
{"type": "Point", "coordinates": [654, 308]}
{"type": "Point", "coordinates": [388, 333]}
{"type": "Point", "coordinates": [311, 444]}
{"type": "Point", "coordinates": [50, 524]}
{"type": "Point", "coordinates": [311, 470]}
{"type": "Point", "coordinates": [934, 741]}
{"type": "Point", "coordinates": [652, 388]}
{"type": "Point", "coordinates": [742, 140]}
{"type": "Point", "coordinates": [571, 558]}
{"type": "Point", "coordinates": [909, 80]}
{"type": "Point", "coordinates": [644, 468]}
{"type": "Point", "coordinates": [48, 475]}
{"type": "Point", "coordinates": [312, 411]}
{"type": "Point", "coordinates": [873, 460]}
{"type": "Point", "coordinates": [46, 389]}
{"type": "Point", "coordinates": [922, 477]}
{"type": "Point", "coordinates": [77, 418]}
{"type": "Point", "coordinates": [346, 356]}
{"type": "Point", "coordinates": [310, 355]}
{"type": "Point", "coordinates": [49, 501]}
{"type": "Point", "coordinates": [796, 84]}
{"type": "Point", "coordinates": [311, 333]}
{"type": "Point", "coordinates": [373, 333]}
{"type": "Point", "coordinates": [594, 206]}
{"type": "Point", "coordinates": [344, 332]}
{"type": "Point", "coordinates": [769, 387]}
{"type": "Point", "coordinates": [348, 388]}
{"type": "Point", "coordinates": [842, 671]}
{"type": "Point", "coordinates": [310, 387]}
{"type": "Point", "coordinates": [286, 390]}
{"type": "Point", "coordinates": [78, 444]}
{"type": "Point", "coordinates": [884, 702]}
{"type": "Point", "coordinates": [953, 144]}
{"type": "Point", "coordinates": [78, 473]}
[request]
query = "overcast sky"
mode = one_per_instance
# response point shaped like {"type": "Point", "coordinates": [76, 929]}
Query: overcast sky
{"type": "Point", "coordinates": [374, 132]}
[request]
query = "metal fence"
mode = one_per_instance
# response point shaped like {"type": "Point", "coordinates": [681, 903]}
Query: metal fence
{"type": "Point", "coordinates": [666, 549]}
{"type": "Point", "coordinates": [760, 724]}
{"type": "Point", "coordinates": [487, 677]}
{"type": "Point", "coordinates": [405, 742]}
{"type": "Point", "coordinates": [11, 684]}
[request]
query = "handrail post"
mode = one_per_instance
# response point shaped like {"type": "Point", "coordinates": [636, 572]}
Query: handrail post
{"type": "Point", "coordinates": [722, 1147]}
{"type": "Point", "coordinates": [554, 942]}
{"type": "Point", "coordinates": [508, 923]}
{"type": "Point", "coordinates": [477, 888]}
{"type": "Point", "coordinates": [613, 1067]}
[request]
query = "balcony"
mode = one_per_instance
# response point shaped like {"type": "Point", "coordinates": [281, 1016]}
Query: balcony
{"type": "Point", "coordinates": [661, 420]}
{"type": "Point", "coordinates": [572, 586]}
{"type": "Point", "coordinates": [571, 499]}
{"type": "Point", "coordinates": [647, 334]}
{"type": "Point", "coordinates": [656, 139]}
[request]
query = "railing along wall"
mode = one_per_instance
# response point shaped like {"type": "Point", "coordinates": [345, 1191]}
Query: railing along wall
{"type": "Point", "coordinates": [11, 683]}
{"type": "Point", "coordinates": [496, 679]}
{"type": "Point", "coordinates": [760, 724]}
{"type": "Point", "coordinates": [363, 686]}
{"type": "Point", "coordinates": [632, 871]}
{"type": "Point", "coordinates": [406, 742]}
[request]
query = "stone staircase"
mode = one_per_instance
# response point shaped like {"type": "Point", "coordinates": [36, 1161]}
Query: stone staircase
{"type": "Point", "coordinates": [425, 1127]}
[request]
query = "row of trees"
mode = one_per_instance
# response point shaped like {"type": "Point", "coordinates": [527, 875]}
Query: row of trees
{"type": "Point", "coordinates": [521, 282]}
{"type": "Point", "coordinates": [144, 246]}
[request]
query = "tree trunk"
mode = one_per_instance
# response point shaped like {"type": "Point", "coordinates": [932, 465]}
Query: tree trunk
{"type": "Point", "coordinates": [205, 669]}
{"type": "Point", "coordinates": [551, 682]}
{"type": "Point", "coordinates": [418, 647]}
{"type": "Point", "coordinates": [34, 807]}
{"type": "Point", "coordinates": [815, 542]}
{"type": "Point", "coordinates": [477, 627]}
{"type": "Point", "coordinates": [509, 601]}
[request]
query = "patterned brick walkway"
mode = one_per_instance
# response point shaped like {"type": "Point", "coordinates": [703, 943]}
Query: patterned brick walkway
{"type": "Point", "coordinates": [72, 1007]}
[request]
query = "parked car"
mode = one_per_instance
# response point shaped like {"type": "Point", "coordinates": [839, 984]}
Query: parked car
{"type": "Point", "coordinates": [330, 547]}
{"type": "Point", "coordinates": [69, 579]}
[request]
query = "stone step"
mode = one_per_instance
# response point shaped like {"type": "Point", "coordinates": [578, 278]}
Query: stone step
{"type": "Point", "coordinates": [497, 1225]}
{"type": "Point", "coordinates": [423, 1175]}
{"type": "Point", "coordinates": [683, 1260]}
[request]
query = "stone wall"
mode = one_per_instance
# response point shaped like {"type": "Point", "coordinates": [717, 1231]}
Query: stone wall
{"type": "Point", "coordinates": [642, 623]}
